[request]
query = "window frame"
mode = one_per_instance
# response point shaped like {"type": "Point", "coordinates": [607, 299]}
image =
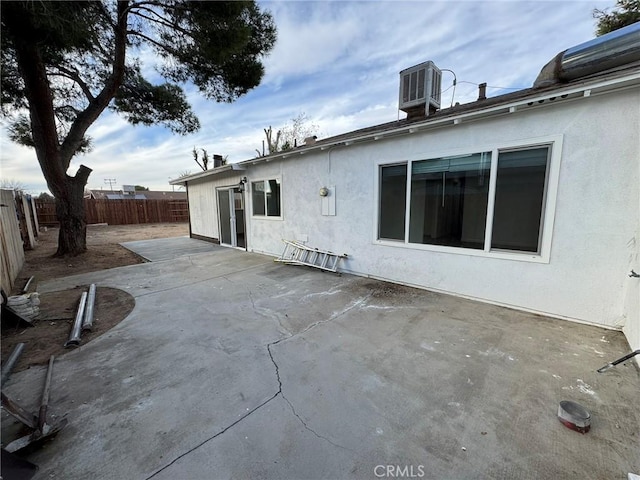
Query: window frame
{"type": "Point", "coordinates": [554, 142]}
{"type": "Point", "coordinates": [379, 201]}
{"type": "Point", "coordinates": [278, 179]}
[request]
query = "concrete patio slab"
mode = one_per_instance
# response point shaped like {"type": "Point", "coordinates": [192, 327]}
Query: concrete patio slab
{"type": "Point", "coordinates": [231, 366]}
{"type": "Point", "coordinates": [168, 248]}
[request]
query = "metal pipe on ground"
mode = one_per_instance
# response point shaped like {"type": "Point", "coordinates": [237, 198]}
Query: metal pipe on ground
{"type": "Point", "coordinates": [618, 361]}
{"type": "Point", "coordinates": [74, 336]}
{"type": "Point", "coordinates": [11, 361]}
{"type": "Point", "coordinates": [87, 322]}
{"type": "Point", "coordinates": [27, 285]}
{"type": "Point", "coordinates": [44, 404]}
{"type": "Point", "coordinates": [12, 408]}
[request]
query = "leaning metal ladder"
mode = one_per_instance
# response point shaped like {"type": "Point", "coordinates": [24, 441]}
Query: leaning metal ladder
{"type": "Point", "coordinates": [296, 253]}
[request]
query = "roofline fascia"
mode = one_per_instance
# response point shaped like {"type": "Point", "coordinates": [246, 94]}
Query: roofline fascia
{"type": "Point", "coordinates": [214, 171]}
{"type": "Point", "coordinates": [585, 89]}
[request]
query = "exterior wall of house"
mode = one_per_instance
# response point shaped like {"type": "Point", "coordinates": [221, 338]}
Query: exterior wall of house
{"type": "Point", "coordinates": [593, 243]}
{"type": "Point", "coordinates": [203, 203]}
{"type": "Point", "coordinates": [632, 286]}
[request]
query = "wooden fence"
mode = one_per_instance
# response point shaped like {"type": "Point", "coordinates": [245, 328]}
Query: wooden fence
{"type": "Point", "coordinates": [120, 212]}
{"type": "Point", "coordinates": [11, 245]}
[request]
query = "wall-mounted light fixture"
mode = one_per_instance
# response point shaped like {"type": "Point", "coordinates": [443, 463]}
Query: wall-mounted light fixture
{"type": "Point", "coordinates": [324, 191]}
{"type": "Point", "coordinates": [242, 184]}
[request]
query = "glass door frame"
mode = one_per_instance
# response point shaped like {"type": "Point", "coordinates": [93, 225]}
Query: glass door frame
{"type": "Point", "coordinates": [233, 220]}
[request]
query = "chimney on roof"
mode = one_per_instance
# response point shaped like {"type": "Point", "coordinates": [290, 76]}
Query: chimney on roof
{"type": "Point", "coordinates": [218, 161]}
{"type": "Point", "coordinates": [310, 140]}
{"type": "Point", "coordinates": [482, 91]}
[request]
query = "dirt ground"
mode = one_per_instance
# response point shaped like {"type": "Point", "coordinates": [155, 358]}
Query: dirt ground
{"type": "Point", "coordinates": [103, 252]}
{"type": "Point", "coordinates": [57, 310]}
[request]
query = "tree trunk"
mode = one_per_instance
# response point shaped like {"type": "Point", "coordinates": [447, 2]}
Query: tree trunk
{"type": "Point", "coordinates": [55, 157]}
{"type": "Point", "coordinates": [72, 237]}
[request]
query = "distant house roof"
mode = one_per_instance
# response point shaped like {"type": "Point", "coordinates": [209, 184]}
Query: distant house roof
{"type": "Point", "coordinates": [138, 195]}
{"type": "Point", "coordinates": [155, 195]}
{"type": "Point", "coordinates": [123, 196]}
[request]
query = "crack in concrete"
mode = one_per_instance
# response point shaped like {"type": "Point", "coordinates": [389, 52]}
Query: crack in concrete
{"type": "Point", "coordinates": [196, 282]}
{"type": "Point", "coordinates": [335, 315]}
{"type": "Point", "coordinates": [279, 392]}
{"type": "Point", "coordinates": [304, 424]}
{"type": "Point", "coordinates": [261, 311]}
{"type": "Point", "coordinates": [214, 436]}
{"type": "Point", "coordinates": [293, 410]}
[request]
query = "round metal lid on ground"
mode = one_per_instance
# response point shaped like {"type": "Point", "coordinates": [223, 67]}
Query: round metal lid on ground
{"type": "Point", "coordinates": [574, 416]}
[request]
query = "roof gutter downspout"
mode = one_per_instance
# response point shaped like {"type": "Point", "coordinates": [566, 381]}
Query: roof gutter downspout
{"type": "Point", "coordinates": [617, 48]}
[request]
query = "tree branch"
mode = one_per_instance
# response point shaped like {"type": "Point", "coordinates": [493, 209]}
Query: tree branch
{"type": "Point", "coordinates": [82, 175]}
{"type": "Point", "coordinates": [150, 40]}
{"type": "Point", "coordinates": [161, 20]}
{"type": "Point", "coordinates": [84, 119]}
{"type": "Point", "coordinates": [74, 76]}
{"type": "Point", "coordinates": [136, 5]}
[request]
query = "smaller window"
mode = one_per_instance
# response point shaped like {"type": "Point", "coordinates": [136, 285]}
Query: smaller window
{"type": "Point", "coordinates": [393, 199]}
{"type": "Point", "coordinates": [265, 195]}
{"type": "Point", "coordinates": [519, 201]}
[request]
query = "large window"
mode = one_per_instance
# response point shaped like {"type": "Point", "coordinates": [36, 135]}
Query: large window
{"type": "Point", "coordinates": [482, 201]}
{"type": "Point", "coordinates": [265, 196]}
{"type": "Point", "coordinates": [449, 200]}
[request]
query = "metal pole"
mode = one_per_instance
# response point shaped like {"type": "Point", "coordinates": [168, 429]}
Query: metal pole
{"type": "Point", "coordinates": [74, 336]}
{"type": "Point", "coordinates": [620, 360]}
{"type": "Point", "coordinates": [87, 323]}
{"type": "Point", "coordinates": [42, 414]}
{"type": "Point", "coordinates": [11, 361]}
{"type": "Point", "coordinates": [28, 284]}
{"type": "Point", "coordinates": [11, 407]}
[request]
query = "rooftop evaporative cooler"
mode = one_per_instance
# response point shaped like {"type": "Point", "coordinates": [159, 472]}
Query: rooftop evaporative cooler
{"type": "Point", "coordinates": [420, 87]}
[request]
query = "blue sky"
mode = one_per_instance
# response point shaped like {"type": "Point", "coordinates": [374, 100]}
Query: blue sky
{"type": "Point", "coordinates": [339, 63]}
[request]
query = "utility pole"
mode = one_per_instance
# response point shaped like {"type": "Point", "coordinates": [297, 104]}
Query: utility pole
{"type": "Point", "coordinates": [111, 182]}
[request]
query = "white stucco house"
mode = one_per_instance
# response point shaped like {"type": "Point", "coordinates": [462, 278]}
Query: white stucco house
{"type": "Point", "coordinates": [529, 200]}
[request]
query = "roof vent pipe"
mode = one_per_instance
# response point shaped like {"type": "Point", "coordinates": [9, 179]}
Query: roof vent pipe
{"type": "Point", "coordinates": [612, 50]}
{"type": "Point", "coordinates": [482, 91]}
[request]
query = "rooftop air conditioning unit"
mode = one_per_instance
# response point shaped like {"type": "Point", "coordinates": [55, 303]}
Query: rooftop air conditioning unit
{"type": "Point", "coordinates": [420, 86]}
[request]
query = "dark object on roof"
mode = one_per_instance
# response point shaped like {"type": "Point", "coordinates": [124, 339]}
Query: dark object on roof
{"type": "Point", "coordinates": [608, 51]}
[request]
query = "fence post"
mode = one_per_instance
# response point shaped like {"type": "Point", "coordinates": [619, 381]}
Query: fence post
{"type": "Point", "coordinates": [34, 215]}
{"type": "Point", "coordinates": [26, 227]}
{"type": "Point", "coordinates": [11, 245]}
